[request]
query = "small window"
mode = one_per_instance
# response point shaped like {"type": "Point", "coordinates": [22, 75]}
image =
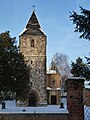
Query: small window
{"type": "Point", "coordinates": [31, 62]}
{"type": "Point", "coordinates": [32, 43]}
{"type": "Point", "coordinates": [31, 83]}
{"type": "Point", "coordinates": [53, 82]}
{"type": "Point", "coordinates": [54, 68]}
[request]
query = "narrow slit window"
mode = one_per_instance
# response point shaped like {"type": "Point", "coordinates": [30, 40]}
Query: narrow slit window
{"type": "Point", "coordinates": [31, 62]}
{"type": "Point", "coordinates": [32, 43]}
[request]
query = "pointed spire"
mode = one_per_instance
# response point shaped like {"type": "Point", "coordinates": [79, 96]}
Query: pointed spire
{"type": "Point", "coordinates": [33, 26]}
{"type": "Point", "coordinates": [33, 22]}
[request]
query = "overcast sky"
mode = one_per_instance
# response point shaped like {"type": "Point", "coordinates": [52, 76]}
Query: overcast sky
{"type": "Point", "coordinates": [53, 16]}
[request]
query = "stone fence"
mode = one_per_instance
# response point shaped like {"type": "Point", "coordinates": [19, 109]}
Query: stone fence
{"type": "Point", "coordinates": [26, 116]}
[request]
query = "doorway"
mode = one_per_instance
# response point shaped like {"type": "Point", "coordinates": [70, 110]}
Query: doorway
{"type": "Point", "coordinates": [53, 99]}
{"type": "Point", "coordinates": [32, 99]}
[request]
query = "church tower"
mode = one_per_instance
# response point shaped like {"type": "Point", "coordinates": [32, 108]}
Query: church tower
{"type": "Point", "coordinates": [33, 47]}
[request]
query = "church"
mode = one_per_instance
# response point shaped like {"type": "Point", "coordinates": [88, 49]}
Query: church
{"type": "Point", "coordinates": [33, 43]}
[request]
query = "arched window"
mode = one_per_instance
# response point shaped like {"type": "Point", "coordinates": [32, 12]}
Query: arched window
{"type": "Point", "coordinates": [53, 82]}
{"type": "Point", "coordinates": [32, 43]}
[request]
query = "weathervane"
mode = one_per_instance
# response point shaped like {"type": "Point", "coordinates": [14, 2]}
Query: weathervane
{"type": "Point", "coordinates": [33, 7]}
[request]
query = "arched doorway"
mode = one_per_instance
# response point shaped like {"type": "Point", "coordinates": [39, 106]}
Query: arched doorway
{"type": "Point", "coordinates": [32, 99]}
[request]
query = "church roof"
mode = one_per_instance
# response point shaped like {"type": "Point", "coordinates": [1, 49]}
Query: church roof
{"type": "Point", "coordinates": [33, 26]}
{"type": "Point", "coordinates": [33, 22]}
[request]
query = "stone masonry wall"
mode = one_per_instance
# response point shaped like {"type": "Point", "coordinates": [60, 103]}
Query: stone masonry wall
{"type": "Point", "coordinates": [61, 116]}
{"type": "Point", "coordinates": [87, 97]}
{"type": "Point", "coordinates": [75, 106]}
{"type": "Point", "coordinates": [35, 57]}
{"type": "Point", "coordinates": [39, 48]}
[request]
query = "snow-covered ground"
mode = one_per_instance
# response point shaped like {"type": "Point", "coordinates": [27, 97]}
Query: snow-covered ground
{"type": "Point", "coordinates": [64, 101]}
{"type": "Point", "coordinates": [11, 108]}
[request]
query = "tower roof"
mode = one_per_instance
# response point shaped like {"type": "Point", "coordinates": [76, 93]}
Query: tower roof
{"type": "Point", "coordinates": [33, 22]}
{"type": "Point", "coordinates": [33, 26]}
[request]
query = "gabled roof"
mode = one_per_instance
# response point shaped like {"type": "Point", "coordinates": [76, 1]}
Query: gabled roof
{"type": "Point", "coordinates": [33, 26]}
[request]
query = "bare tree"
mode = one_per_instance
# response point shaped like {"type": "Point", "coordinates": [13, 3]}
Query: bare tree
{"type": "Point", "coordinates": [61, 65]}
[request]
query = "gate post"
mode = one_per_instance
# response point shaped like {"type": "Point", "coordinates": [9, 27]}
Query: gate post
{"type": "Point", "coordinates": [75, 105]}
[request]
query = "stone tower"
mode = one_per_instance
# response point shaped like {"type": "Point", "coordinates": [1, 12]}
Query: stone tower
{"type": "Point", "coordinates": [33, 47]}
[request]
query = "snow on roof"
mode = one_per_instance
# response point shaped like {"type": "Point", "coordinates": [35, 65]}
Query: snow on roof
{"type": "Point", "coordinates": [11, 108]}
{"type": "Point", "coordinates": [58, 88]}
{"type": "Point", "coordinates": [48, 88]}
{"type": "Point", "coordinates": [23, 31]}
{"type": "Point", "coordinates": [42, 31]}
{"type": "Point", "coordinates": [76, 78]}
{"type": "Point", "coordinates": [87, 84]}
{"type": "Point", "coordinates": [51, 71]}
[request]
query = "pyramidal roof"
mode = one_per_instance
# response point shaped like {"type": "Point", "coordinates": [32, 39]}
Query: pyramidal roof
{"type": "Point", "coordinates": [33, 26]}
{"type": "Point", "coordinates": [33, 22]}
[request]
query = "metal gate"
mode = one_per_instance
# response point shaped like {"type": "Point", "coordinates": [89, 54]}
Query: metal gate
{"type": "Point", "coordinates": [86, 113]}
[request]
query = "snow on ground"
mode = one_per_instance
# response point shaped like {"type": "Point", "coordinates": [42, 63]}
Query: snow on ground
{"type": "Point", "coordinates": [64, 101]}
{"type": "Point", "coordinates": [11, 108]}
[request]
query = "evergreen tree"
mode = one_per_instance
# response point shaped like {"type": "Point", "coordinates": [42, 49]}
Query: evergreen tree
{"type": "Point", "coordinates": [80, 69]}
{"type": "Point", "coordinates": [14, 73]}
{"type": "Point", "coordinates": [82, 23]}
